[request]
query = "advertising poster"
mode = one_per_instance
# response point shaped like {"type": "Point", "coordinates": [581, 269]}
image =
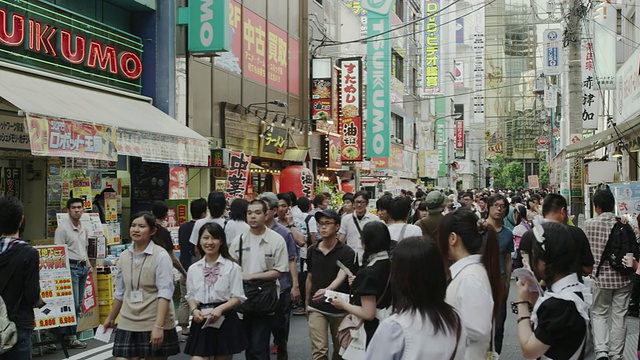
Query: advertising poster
{"type": "Point", "coordinates": [178, 211]}
{"type": "Point", "coordinates": [277, 58]}
{"type": "Point", "coordinates": [533, 181]}
{"type": "Point", "coordinates": [95, 178]}
{"type": "Point", "coordinates": [151, 182]}
{"type": "Point", "coordinates": [55, 289]}
{"type": "Point", "coordinates": [177, 182]}
{"type": "Point", "coordinates": [112, 233]}
{"type": "Point", "coordinates": [334, 159]}
{"type": "Point", "coordinates": [627, 197]}
{"type": "Point", "coordinates": [254, 38]}
{"type": "Point", "coordinates": [65, 138]}
{"type": "Point", "coordinates": [458, 132]}
{"type": "Point", "coordinates": [351, 109]}
{"type": "Point", "coordinates": [12, 182]}
{"type": "Point", "coordinates": [237, 175]}
{"type": "Point", "coordinates": [90, 316]}
{"type": "Point", "coordinates": [230, 60]}
{"type": "Point", "coordinates": [54, 191]}
{"type": "Point", "coordinates": [110, 206]}
{"type": "Point", "coordinates": [82, 189]}
{"type": "Point", "coordinates": [13, 134]}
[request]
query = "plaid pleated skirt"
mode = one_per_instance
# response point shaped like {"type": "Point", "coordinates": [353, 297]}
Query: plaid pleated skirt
{"type": "Point", "coordinates": [137, 344]}
{"type": "Point", "coordinates": [229, 339]}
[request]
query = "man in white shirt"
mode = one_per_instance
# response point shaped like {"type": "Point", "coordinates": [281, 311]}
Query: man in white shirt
{"type": "Point", "coordinates": [399, 208]}
{"type": "Point", "coordinates": [217, 205]}
{"type": "Point", "coordinates": [352, 225]}
{"type": "Point", "coordinates": [76, 237]}
{"type": "Point", "coordinates": [264, 257]}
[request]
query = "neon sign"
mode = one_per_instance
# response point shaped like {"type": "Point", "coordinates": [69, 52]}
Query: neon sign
{"type": "Point", "coordinates": [46, 37]}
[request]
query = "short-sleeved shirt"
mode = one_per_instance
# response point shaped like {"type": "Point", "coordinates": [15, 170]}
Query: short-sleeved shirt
{"type": "Point", "coordinates": [349, 229]}
{"type": "Point", "coordinates": [272, 251]}
{"type": "Point", "coordinates": [324, 270]}
{"type": "Point", "coordinates": [372, 281]}
{"type": "Point", "coordinates": [561, 327]}
{"type": "Point", "coordinates": [162, 238]}
{"type": "Point", "coordinates": [410, 230]}
{"type": "Point", "coordinates": [597, 231]}
{"type": "Point", "coordinates": [196, 227]}
{"type": "Point", "coordinates": [505, 242]}
{"type": "Point", "coordinates": [76, 239]}
{"type": "Point", "coordinates": [285, 278]}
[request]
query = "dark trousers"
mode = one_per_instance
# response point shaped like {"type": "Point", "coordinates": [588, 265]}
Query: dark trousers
{"type": "Point", "coordinates": [500, 319]}
{"type": "Point", "coordinates": [22, 349]}
{"type": "Point", "coordinates": [281, 321]}
{"type": "Point", "coordinates": [302, 280]}
{"type": "Point", "coordinates": [634, 302]}
{"type": "Point", "coordinates": [258, 329]}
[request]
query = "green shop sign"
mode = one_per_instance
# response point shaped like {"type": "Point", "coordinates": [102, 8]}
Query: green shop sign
{"type": "Point", "coordinates": [378, 84]}
{"type": "Point", "coordinates": [207, 23]}
{"type": "Point", "coordinates": [46, 37]}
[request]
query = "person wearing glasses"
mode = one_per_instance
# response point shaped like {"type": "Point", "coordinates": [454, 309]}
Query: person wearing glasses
{"type": "Point", "coordinates": [352, 224]}
{"type": "Point", "coordinates": [497, 210]}
{"type": "Point", "coordinates": [323, 275]}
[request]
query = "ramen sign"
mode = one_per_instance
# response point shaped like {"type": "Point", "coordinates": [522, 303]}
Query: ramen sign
{"type": "Point", "coordinates": [39, 35]}
{"type": "Point", "coordinates": [351, 109]}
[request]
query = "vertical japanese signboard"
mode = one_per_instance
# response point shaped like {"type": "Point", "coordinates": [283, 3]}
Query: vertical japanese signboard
{"type": "Point", "coordinates": [460, 30]}
{"type": "Point", "coordinates": [552, 56]}
{"type": "Point", "coordinates": [254, 31]}
{"type": "Point", "coordinates": [458, 122]}
{"type": "Point", "coordinates": [589, 87]}
{"type": "Point", "coordinates": [478, 66]}
{"type": "Point", "coordinates": [431, 70]}
{"type": "Point", "coordinates": [605, 33]}
{"type": "Point", "coordinates": [55, 289]}
{"type": "Point", "coordinates": [277, 58]}
{"type": "Point", "coordinates": [178, 182]}
{"type": "Point", "coordinates": [333, 152]}
{"type": "Point", "coordinates": [13, 134]}
{"type": "Point", "coordinates": [237, 175]}
{"type": "Point", "coordinates": [378, 84]}
{"type": "Point", "coordinates": [441, 146]}
{"type": "Point", "coordinates": [321, 103]}
{"type": "Point", "coordinates": [231, 60]}
{"type": "Point", "coordinates": [351, 109]}
{"type": "Point", "coordinates": [458, 73]}
{"type": "Point", "coordinates": [12, 182]}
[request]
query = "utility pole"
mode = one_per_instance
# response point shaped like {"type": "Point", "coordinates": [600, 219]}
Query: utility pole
{"type": "Point", "coordinates": [573, 38]}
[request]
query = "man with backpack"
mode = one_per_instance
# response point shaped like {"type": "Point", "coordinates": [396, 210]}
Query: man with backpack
{"type": "Point", "coordinates": [611, 287]}
{"type": "Point", "coordinates": [20, 282]}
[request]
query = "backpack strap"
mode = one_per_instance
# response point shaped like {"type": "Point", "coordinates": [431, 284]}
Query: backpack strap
{"type": "Point", "coordinates": [306, 221]}
{"type": "Point", "coordinates": [240, 255]}
{"type": "Point", "coordinates": [355, 221]}
{"type": "Point", "coordinates": [607, 247]}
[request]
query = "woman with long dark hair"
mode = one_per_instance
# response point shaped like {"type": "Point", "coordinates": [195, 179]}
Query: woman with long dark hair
{"type": "Point", "coordinates": [237, 222]}
{"type": "Point", "coordinates": [423, 325]}
{"type": "Point", "coordinates": [476, 285]}
{"type": "Point", "coordinates": [214, 287]}
{"type": "Point", "coordinates": [557, 326]}
{"type": "Point", "coordinates": [369, 289]}
{"type": "Point", "coordinates": [144, 290]}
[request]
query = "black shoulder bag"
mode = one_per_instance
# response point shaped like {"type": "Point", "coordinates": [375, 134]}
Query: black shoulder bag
{"type": "Point", "coordinates": [262, 295]}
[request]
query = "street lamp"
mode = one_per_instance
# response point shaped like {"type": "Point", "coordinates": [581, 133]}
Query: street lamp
{"type": "Point", "coordinates": [277, 103]}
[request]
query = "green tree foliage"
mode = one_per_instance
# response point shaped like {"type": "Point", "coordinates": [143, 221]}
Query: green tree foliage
{"type": "Point", "coordinates": [507, 174]}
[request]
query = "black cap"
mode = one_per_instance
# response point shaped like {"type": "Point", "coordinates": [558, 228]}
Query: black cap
{"type": "Point", "coordinates": [331, 214]}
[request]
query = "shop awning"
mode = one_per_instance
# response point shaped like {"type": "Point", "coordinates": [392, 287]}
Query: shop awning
{"type": "Point", "coordinates": [603, 138]}
{"type": "Point", "coordinates": [297, 155]}
{"type": "Point", "coordinates": [48, 98]}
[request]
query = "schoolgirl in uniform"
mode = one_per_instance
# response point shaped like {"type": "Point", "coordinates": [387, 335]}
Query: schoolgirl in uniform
{"type": "Point", "coordinates": [552, 325]}
{"type": "Point", "coordinates": [214, 287]}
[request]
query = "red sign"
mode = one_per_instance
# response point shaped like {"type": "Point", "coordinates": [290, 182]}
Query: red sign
{"type": "Point", "coordinates": [298, 179]}
{"type": "Point", "coordinates": [90, 299]}
{"type": "Point", "coordinates": [321, 110]}
{"type": "Point", "coordinates": [277, 59]}
{"type": "Point", "coordinates": [254, 40]}
{"type": "Point", "coordinates": [459, 134]}
{"type": "Point", "coordinates": [351, 110]}
{"type": "Point", "coordinates": [232, 59]}
{"type": "Point", "coordinates": [177, 182]}
{"type": "Point", "coordinates": [65, 138]}
{"type": "Point", "coordinates": [379, 163]}
{"type": "Point", "coordinates": [294, 66]}
{"type": "Point", "coordinates": [542, 140]}
{"type": "Point", "coordinates": [237, 175]}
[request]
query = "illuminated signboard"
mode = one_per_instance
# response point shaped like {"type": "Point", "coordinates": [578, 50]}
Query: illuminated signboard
{"type": "Point", "coordinates": [431, 47]}
{"type": "Point", "coordinates": [43, 36]}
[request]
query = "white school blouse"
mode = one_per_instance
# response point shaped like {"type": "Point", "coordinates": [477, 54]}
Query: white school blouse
{"type": "Point", "coordinates": [227, 286]}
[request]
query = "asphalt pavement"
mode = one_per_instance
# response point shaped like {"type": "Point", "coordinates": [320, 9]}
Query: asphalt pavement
{"type": "Point", "coordinates": [300, 348]}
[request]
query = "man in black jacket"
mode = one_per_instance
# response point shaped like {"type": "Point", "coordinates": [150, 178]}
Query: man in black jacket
{"type": "Point", "coordinates": [20, 281]}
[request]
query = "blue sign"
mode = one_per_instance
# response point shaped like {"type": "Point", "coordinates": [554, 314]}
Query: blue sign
{"type": "Point", "coordinates": [553, 52]}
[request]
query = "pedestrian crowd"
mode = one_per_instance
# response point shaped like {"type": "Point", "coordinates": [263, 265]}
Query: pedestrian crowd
{"type": "Point", "coordinates": [426, 277]}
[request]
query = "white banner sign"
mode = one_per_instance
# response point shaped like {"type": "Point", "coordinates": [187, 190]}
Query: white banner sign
{"type": "Point", "coordinates": [552, 52]}
{"type": "Point", "coordinates": [550, 96]}
{"type": "Point", "coordinates": [590, 96]}
{"type": "Point", "coordinates": [478, 67]}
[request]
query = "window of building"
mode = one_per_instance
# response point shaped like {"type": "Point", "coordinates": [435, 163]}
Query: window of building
{"type": "Point", "coordinates": [400, 9]}
{"type": "Point", "coordinates": [398, 126]}
{"type": "Point", "coordinates": [397, 65]}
